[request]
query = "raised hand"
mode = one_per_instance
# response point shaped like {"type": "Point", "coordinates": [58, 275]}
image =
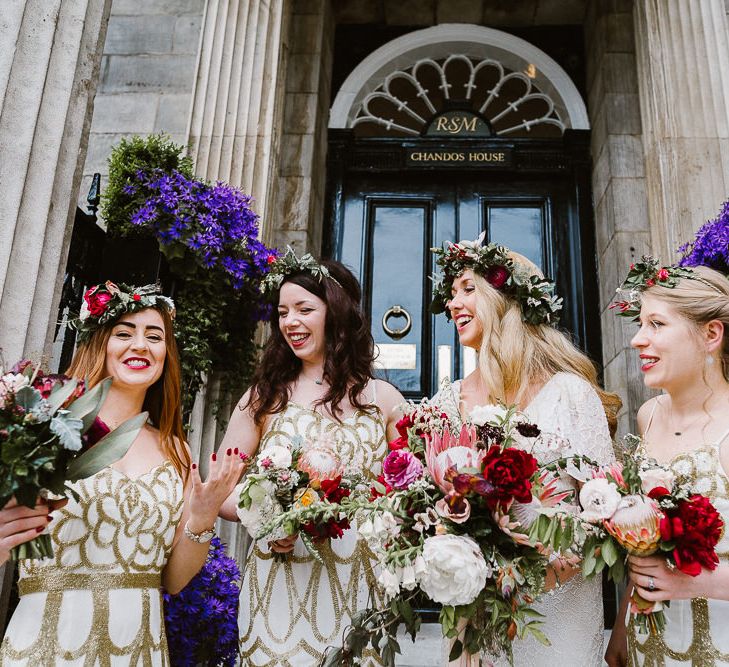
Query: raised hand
{"type": "Point", "coordinates": [19, 523]}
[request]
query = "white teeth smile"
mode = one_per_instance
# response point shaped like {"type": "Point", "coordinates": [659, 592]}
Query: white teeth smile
{"type": "Point", "coordinates": [137, 363]}
{"type": "Point", "coordinates": [463, 321]}
{"type": "Point", "coordinates": [298, 337]}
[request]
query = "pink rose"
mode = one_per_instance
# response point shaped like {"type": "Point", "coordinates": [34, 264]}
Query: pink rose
{"type": "Point", "coordinates": [96, 300]}
{"type": "Point", "coordinates": [401, 468]}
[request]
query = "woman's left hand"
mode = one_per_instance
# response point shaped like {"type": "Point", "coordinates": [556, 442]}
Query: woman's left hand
{"type": "Point", "coordinates": [655, 581]}
{"type": "Point", "coordinates": [224, 472]}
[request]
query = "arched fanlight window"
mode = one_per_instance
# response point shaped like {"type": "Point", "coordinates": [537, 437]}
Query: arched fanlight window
{"type": "Point", "coordinates": [435, 97]}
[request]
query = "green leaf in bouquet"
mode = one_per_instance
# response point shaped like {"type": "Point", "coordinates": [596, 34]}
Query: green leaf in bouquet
{"type": "Point", "coordinates": [61, 393]}
{"type": "Point", "coordinates": [68, 430]}
{"type": "Point", "coordinates": [617, 571]}
{"type": "Point", "coordinates": [456, 650]}
{"type": "Point", "coordinates": [533, 629]}
{"type": "Point", "coordinates": [609, 552]}
{"type": "Point", "coordinates": [86, 407]}
{"type": "Point", "coordinates": [108, 450]}
{"type": "Point", "coordinates": [589, 560]}
{"type": "Point", "coordinates": [28, 398]}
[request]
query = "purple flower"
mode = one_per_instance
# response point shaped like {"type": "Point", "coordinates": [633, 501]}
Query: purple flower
{"type": "Point", "coordinates": [401, 468]}
{"type": "Point", "coordinates": [710, 246]}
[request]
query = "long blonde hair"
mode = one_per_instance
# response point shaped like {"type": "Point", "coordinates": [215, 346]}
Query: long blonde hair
{"type": "Point", "coordinates": [514, 354]}
{"type": "Point", "coordinates": [700, 301]}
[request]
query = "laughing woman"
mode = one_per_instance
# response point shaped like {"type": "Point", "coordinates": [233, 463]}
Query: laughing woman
{"type": "Point", "coordinates": [505, 309]}
{"type": "Point", "coordinates": [315, 381]}
{"type": "Point", "coordinates": [139, 524]}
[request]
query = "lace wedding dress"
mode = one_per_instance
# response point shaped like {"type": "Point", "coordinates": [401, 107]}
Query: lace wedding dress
{"type": "Point", "coordinates": [567, 410]}
{"type": "Point", "coordinates": [696, 630]}
{"type": "Point", "coordinates": [97, 602]}
{"type": "Point", "coordinates": [291, 610]}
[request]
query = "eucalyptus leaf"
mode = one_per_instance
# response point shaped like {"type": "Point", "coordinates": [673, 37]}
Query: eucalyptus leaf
{"type": "Point", "coordinates": [87, 406]}
{"type": "Point", "coordinates": [68, 430]}
{"type": "Point", "coordinates": [61, 393]}
{"type": "Point", "coordinates": [108, 450]}
{"type": "Point", "coordinates": [28, 398]}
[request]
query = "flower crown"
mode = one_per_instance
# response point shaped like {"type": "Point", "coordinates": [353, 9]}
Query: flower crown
{"type": "Point", "coordinates": [642, 275]}
{"type": "Point", "coordinates": [535, 294]}
{"type": "Point", "coordinates": [108, 301]}
{"type": "Point", "coordinates": [288, 264]}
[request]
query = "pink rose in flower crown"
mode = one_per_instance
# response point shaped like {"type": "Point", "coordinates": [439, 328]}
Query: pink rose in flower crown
{"type": "Point", "coordinates": [96, 300]}
{"type": "Point", "coordinates": [401, 468]}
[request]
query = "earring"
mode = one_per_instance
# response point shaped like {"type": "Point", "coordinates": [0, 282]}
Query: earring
{"type": "Point", "coordinates": [709, 360]}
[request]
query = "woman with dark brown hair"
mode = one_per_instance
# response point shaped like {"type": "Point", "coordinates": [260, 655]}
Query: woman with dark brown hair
{"type": "Point", "coordinates": [315, 382]}
{"type": "Point", "coordinates": [142, 523]}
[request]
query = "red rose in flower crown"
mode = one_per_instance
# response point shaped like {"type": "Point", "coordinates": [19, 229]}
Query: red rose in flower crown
{"type": "Point", "coordinates": [497, 276]}
{"type": "Point", "coordinates": [97, 299]}
{"type": "Point", "coordinates": [510, 471]}
{"type": "Point", "coordinates": [695, 527]}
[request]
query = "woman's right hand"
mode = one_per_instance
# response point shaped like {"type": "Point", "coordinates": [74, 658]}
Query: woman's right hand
{"type": "Point", "coordinates": [284, 545]}
{"type": "Point", "coordinates": [19, 524]}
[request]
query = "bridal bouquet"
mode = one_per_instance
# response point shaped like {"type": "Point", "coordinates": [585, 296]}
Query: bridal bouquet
{"type": "Point", "coordinates": [47, 424]}
{"type": "Point", "coordinates": [296, 487]}
{"type": "Point", "coordinates": [449, 520]}
{"type": "Point", "coordinates": [641, 508]}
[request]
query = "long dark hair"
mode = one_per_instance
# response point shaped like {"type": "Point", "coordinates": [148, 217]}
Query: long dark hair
{"type": "Point", "coordinates": [348, 357]}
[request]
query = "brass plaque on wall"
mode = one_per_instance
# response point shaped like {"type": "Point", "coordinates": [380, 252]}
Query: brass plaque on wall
{"type": "Point", "coordinates": [402, 356]}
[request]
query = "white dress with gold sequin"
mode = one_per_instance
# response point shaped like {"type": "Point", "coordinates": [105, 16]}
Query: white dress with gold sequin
{"type": "Point", "coordinates": [97, 602]}
{"type": "Point", "coordinates": [291, 610]}
{"type": "Point", "coordinates": [697, 631]}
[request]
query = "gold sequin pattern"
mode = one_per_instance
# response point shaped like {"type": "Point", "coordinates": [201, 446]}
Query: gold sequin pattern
{"type": "Point", "coordinates": [292, 609]}
{"type": "Point", "coordinates": [110, 546]}
{"type": "Point", "coordinates": [701, 468]}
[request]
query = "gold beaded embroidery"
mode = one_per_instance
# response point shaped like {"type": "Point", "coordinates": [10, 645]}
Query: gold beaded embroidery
{"type": "Point", "coordinates": [268, 625]}
{"type": "Point", "coordinates": [702, 469]}
{"type": "Point", "coordinates": [116, 537]}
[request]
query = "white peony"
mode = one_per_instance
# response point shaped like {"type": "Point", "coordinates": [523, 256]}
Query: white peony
{"type": "Point", "coordinates": [599, 499]}
{"type": "Point", "coordinates": [251, 519]}
{"type": "Point", "coordinates": [10, 383]}
{"type": "Point", "coordinates": [455, 569]}
{"type": "Point", "coordinates": [650, 479]}
{"type": "Point", "coordinates": [279, 456]}
{"type": "Point", "coordinates": [488, 414]}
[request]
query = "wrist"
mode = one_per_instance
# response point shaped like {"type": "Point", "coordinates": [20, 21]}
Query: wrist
{"type": "Point", "coordinates": [200, 523]}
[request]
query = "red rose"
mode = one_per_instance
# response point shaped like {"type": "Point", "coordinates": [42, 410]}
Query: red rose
{"type": "Point", "coordinates": [695, 527]}
{"type": "Point", "coordinates": [658, 492]}
{"type": "Point", "coordinates": [332, 491]}
{"type": "Point", "coordinates": [496, 276]}
{"type": "Point", "coordinates": [663, 274]}
{"type": "Point", "coordinates": [376, 493]}
{"type": "Point", "coordinates": [96, 300]}
{"type": "Point", "coordinates": [398, 443]}
{"type": "Point", "coordinates": [510, 471]}
{"type": "Point", "coordinates": [136, 297]}
{"type": "Point", "coordinates": [650, 282]}
{"type": "Point", "coordinates": [404, 424]}
{"type": "Point", "coordinates": [271, 259]}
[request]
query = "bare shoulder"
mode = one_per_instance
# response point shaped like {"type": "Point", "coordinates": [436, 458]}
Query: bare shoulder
{"type": "Point", "coordinates": [388, 398]}
{"type": "Point", "coordinates": [645, 411]}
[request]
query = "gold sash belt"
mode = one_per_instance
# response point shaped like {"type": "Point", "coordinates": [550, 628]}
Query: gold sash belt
{"type": "Point", "coordinates": [58, 580]}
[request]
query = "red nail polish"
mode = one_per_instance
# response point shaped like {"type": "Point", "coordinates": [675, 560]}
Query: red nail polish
{"type": "Point", "coordinates": [39, 529]}
{"type": "Point", "coordinates": [215, 458]}
{"type": "Point", "coordinates": [194, 466]}
{"type": "Point", "coordinates": [229, 452]}
{"type": "Point", "coordinates": [50, 517]}
{"type": "Point", "coordinates": [235, 451]}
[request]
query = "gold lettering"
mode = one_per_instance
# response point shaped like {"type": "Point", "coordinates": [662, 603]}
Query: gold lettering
{"type": "Point", "coordinates": [469, 126]}
{"type": "Point", "coordinates": [441, 125]}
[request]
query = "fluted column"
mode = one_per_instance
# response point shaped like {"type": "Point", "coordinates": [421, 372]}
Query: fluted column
{"type": "Point", "coordinates": [683, 73]}
{"type": "Point", "coordinates": [50, 51]}
{"type": "Point", "coordinates": [233, 136]}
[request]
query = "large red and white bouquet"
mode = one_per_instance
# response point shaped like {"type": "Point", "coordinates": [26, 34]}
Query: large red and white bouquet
{"type": "Point", "coordinates": [449, 523]}
{"type": "Point", "coordinates": [47, 428]}
{"type": "Point", "coordinates": [641, 508]}
{"type": "Point", "coordinates": [295, 487]}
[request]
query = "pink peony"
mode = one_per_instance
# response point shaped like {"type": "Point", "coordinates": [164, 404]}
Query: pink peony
{"type": "Point", "coordinates": [401, 468]}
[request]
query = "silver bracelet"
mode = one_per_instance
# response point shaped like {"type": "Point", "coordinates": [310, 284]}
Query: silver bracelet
{"type": "Point", "coordinates": [200, 538]}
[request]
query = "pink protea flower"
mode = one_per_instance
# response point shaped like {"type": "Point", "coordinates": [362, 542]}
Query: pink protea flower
{"type": "Point", "coordinates": [320, 462]}
{"type": "Point", "coordinates": [636, 525]}
{"type": "Point", "coordinates": [613, 472]}
{"type": "Point", "coordinates": [446, 451]}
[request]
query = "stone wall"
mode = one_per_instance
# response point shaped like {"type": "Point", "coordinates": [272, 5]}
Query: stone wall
{"type": "Point", "coordinates": [147, 74]}
{"type": "Point", "coordinates": [622, 228]}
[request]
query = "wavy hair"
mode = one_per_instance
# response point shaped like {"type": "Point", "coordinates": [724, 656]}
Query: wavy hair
{"type": "Point", "coordinates": [514, 353]}
{"type": "Point", "coordinates": [349, 352]}
{"type": "Point", "coordinates": [162, 400]}
{"type": "Point", "coordinates": [700, 301]}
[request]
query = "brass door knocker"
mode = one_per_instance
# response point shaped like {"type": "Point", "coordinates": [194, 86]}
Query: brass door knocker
{"type": "Point", "coordinates": [397, 311]}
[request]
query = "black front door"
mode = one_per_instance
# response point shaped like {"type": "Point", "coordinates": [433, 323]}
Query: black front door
{"type": "Point", "coordinates": [384, 220]}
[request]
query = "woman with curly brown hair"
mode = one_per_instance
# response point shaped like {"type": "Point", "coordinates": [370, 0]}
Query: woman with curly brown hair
{"type": "Point", "coordinates": [315, 382]}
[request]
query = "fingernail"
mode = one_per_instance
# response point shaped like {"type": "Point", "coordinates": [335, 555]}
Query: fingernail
{"type": "Point", "coordinates": [229, 452]}
{"type": "Point", "coordinates": [194, 466]}
{"type": "Point", "coordinates": [50, 517]}
{"type": "Point", "coordinates": [39, 529]}
{"type": "Point", "coordinates": [244, 456]}
{"type": "Point", "coordinates": [235, 451]}
{"type": "Point", "coordinates": [215, 458]}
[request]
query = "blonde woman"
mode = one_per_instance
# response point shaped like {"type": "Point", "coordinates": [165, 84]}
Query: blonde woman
{"type": "Point", "coordinates": [503, 308]}
{"type": "Point", "coordinates": [683, 345]}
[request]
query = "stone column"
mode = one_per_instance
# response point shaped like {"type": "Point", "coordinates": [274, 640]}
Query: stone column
{"type": "Point", "coordinates": [233, 135]}
{"type": "Point", "coordinates": [50, 52]}
{"type": "Point", "coordinates": [618, 185]}
{"type": "Point", "coordinates": [682, 49]}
